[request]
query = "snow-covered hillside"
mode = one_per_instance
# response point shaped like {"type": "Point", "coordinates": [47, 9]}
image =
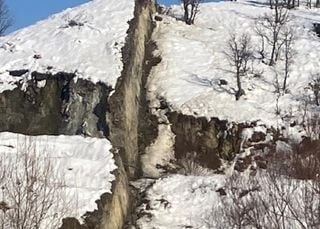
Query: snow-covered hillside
{"type": "Point", "coordinates": [194, 62]}
{"type": "Point", "coordinates": [221, 202]}
{"type": "Point", "coordinates": [82, 167]}
{"type": "Point", "coordinates": [181, 202]}
{"type": "Point", "coordinates": [180, 187]}
{"type": "Point", "coordinates": [189, 79]}
{"type": "Point", "coordinates": [85, 40]}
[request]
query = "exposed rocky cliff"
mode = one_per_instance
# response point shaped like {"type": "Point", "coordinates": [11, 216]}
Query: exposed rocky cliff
{"type": "Point", "coordinates": [211, 140]}
{"type": "Point", "coordinates": [125, 103]}
{"type": "Point", "coordinates": [61, 105]}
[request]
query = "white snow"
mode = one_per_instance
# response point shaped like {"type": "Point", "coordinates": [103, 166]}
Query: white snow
{"type": "Point", "coordinates": [83, 165]}
{"type": "Point", "coordinates": [92, 51]}
{"type": "Point", "coordinates": [193, 62]}
{"type": "Point", "coordinates": [182, 201]}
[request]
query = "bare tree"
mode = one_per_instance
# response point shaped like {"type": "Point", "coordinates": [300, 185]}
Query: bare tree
{"type": "Point", "coordinates": [260, 32]}
{"type": "Point", "coordinates": [191, 9]}
{"type": "Point", "coordinates": [239, 52]}
{"type": "Point", "coordinates": [242, 208]}
{"type": "Point", "coordinates": [270, 26]}
{"type": "Point", "coordinates": [5, 21]}
{"type": "Point", "coordinates": [306, 209]}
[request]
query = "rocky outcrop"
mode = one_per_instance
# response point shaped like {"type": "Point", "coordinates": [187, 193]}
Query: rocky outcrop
{"type": "Point", "coordinates": [55, 104]}
{"type": "Point", "coordinates": [208, 141]}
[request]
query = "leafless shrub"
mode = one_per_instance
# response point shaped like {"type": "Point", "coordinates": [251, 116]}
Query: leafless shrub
{"type": "Point", "coordinates": [239, 52]}
{"type": "Point", "coordinates": [293, 180]}
{"type": "Point", "coordinates": [271, 203]}
{"type": "Point", "coordinates": [306, 209]}
{"type": "Point", "coordinates": [32, 195]}
{"type": "Point", "coordinates": [304, 167]}
{"type": "Point", "coordinates": [189, 166]}
{"type": "Point", "coordinates": [280, 191]}
{"type": "Point", "coordinates": [242, 209]}
{"type": "Point", "coordinates": [286, 195]}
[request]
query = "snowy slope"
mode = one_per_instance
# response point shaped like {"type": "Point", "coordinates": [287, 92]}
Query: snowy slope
{"type": "Point", "coordinates": [193, 62]}
{"type": "Point", "coordinates": [83, 165]}
{"type": "Point", "coordinates": [86, 40]}
{"type": "Point", "coordinates": [215, 202]}
{"type": "Point", "coordinates": [182, 202]}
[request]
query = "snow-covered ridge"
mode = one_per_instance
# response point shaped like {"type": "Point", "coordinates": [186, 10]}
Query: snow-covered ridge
{"type": "Point", "coordinates": [86, 40]}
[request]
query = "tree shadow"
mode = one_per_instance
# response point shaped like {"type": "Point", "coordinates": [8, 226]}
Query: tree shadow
{"type": "Point", "coordinates": [215, 84]}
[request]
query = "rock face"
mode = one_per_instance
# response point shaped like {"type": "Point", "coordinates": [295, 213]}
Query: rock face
{"type": "Point", "coordinates": [211, 140]}
{"type": "Point", "coordinates": [61, 106]}
{"type": "Point", "coordinates": [125, 103]}
{"type": "Point", "coordinates": [127, 108]}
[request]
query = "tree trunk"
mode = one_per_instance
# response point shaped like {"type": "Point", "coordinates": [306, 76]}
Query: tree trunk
{"type": "Point", "coordinates": [186, 13]}
{"type": "Point", "coordinates": [272, 54]}
{"type": "Point", "coordinates": [240, 92]}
